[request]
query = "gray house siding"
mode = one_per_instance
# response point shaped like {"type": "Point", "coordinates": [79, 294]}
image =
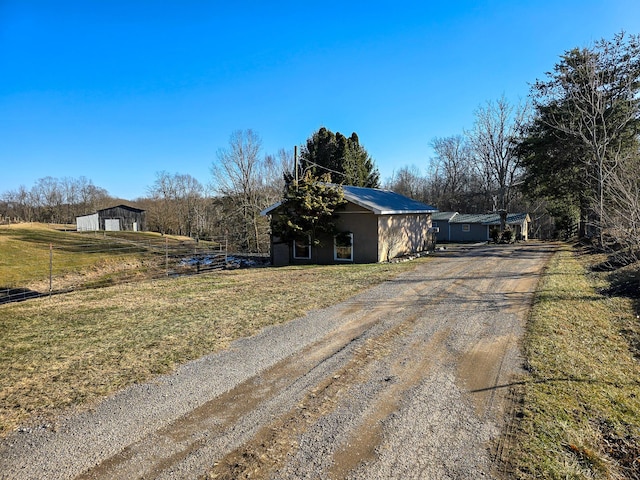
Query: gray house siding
{"type": "Point", "coordinates": [440, 221]}
{"type": "Point", "coordinates": [476, 232]}
{"type": "Point", "coordinates": [362, 225]}
{"type": "Point", "coordinates": [478, 227]}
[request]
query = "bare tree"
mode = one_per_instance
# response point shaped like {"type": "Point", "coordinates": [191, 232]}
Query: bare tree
{"type": "Point", "coordinates": [452, 165]}
{"type": "Point", "coordinates": [55, 200]}
{"type": "Point", "coordinates": [20, 205]}
{"type": "Point", "coordinates": [493, 140]}
{"type": "Point", "coordinates": [272, 170]}
{"type": "Point", "coordinates": [189, 204]}
{"type": "Point", "coordinates": [49, 197]}
{"type": "Point", "coordinates": [236, 175]}
{"type": "Point", "coordinates": [162, 214]}
{"type": "Point", "coordinates": [410, 182]}
{"type": "Point", "coordinates": [176, 205]}
{"type": "Point", "coordinates": [623, 200]}
{"type": "Point", "coordinates": [90, 197]}
{"type": "Point", "coordinates": [592, 96]}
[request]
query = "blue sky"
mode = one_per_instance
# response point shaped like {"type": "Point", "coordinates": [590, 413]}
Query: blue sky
{"type": "Point", "coordinates": [117, 91]}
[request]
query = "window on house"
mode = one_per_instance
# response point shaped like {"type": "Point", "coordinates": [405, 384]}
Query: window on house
{"type": "Point", "coordinates": [343, 247]}
{"type": "Point", "coordinates": [302, 248]}
{"type": "Point", "coordinates": [466, 227]}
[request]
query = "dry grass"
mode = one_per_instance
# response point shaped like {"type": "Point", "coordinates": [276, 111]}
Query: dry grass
{"type": "Point", "coordinates": [581, 400]}
{"type": "Point", "coordinates": [30, 253]}
{"type": "Point", "coordinates": [73, 348]}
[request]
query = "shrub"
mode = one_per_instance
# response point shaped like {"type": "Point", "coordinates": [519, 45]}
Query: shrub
{"type": "Point", "coordinates": [508, 236]}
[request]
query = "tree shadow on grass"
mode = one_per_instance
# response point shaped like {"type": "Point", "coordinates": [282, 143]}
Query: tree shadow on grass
{"type": "Point", "coordinates": [625, 282]}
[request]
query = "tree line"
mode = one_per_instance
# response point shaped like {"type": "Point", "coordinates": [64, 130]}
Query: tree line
{"type": "Point", "coordinates": [53, 200]}
{"type": "Point", "coordinates": [243, 182]}
{"type": "Point", "coordinates": [476, 171]}
{"type": "Point", "coordinates": [581, 151]}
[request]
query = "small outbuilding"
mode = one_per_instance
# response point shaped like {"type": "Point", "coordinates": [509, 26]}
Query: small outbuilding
{"type": "Point", "coordinates": [113, 219]}
{"type": "Point", "coordinates": [375, 225]}
{"type": "Point", "coordinates": [456, 227]}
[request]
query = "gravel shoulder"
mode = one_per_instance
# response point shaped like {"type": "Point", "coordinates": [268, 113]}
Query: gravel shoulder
{"type": "Point", "coordinates": [406, 380]}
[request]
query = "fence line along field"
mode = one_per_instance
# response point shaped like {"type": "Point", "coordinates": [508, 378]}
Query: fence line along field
{"type": "Point", "coordinates": [41, 259]}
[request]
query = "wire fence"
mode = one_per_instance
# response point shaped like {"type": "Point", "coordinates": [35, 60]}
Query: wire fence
{"type": "Point", "coordinates": [100, 260]}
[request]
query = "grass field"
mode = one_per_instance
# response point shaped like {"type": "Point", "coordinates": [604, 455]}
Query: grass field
{"type": "Point", "coordinates": [72, 348]}
{"type": "Point", "coordinates": [580, 412]}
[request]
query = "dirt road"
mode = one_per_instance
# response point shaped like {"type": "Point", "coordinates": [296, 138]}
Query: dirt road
{"type": "Point", "coordinates": [407, 380]}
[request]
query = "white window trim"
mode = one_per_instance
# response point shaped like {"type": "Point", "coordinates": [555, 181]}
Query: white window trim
{"type": "Point", "coordinates": [295, 253]}
{"type": "Point", "coordinates": [466, 227]}
{"type": "Point", "coordinates": [335, 251]}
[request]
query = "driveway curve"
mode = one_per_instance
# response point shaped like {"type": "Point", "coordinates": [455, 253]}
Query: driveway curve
{"type": "Point", "coordinates": [406, 380]}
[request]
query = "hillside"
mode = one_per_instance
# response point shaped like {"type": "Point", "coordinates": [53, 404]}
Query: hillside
{"type": "Point", "coordinates": [38, 258]}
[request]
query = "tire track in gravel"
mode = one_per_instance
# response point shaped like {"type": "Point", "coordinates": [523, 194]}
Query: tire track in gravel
{"type": "Point", "coordinates": [478, 368]}
{"type": "Point", "coordinates": [190, 432]}
{"type": "Point", "coordinates": [160, 451]}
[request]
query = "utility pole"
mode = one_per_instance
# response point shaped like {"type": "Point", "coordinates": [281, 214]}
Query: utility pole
{"type": "Point", "coordinates": [295, 165]}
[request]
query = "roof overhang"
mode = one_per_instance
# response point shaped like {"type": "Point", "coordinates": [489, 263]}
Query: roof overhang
{"type": "Point", "coordinates": [268, 210]}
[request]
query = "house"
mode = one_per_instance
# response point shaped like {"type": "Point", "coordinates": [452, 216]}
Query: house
{"type": "Point", "coordinates": [375, 226]}
{"type": "Point", "coordinates": [113, 219]}
{"type": "Point", "coordinates": [456, 227]}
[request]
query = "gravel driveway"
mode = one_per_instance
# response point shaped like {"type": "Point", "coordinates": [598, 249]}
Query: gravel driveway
{"type": "Point", "coordinates": [407, 380]}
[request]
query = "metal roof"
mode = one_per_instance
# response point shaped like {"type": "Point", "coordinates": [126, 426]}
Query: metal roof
{"type": "Point", "coordinates": [443, 216]}
{"type": "Point", "coordinates": [380, 202]}
{"type": "Point", "coordinates": [488, 218]}
{"type": "Point", "coordinates": [384, 202]}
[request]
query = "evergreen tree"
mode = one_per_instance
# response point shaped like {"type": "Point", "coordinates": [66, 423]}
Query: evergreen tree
{"type": "Point", "coordinates": [307, 208]}
{"type": "Point", "coordinates": [588, 118]}
{"type": "Point", "coordinates": [348, 162]}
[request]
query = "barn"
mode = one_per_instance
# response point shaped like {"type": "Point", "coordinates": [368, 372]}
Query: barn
{"type": "Point", "coordinates": [113, 219]}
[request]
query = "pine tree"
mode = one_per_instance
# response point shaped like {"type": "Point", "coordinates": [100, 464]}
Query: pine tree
{"type": "Point", "coordinates": [308, 208]}
{"type": "Point", "coordinates": [343, 157]}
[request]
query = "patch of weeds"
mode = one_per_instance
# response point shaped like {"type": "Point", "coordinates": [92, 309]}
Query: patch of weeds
{"type": "Point", "coordinates": [588, 459]}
